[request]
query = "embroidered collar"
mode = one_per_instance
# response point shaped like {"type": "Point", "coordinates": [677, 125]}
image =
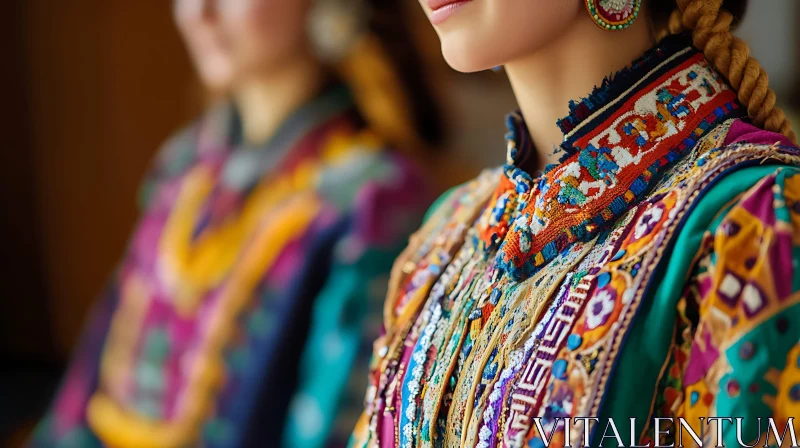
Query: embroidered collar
{"type": "Point", "coordinates": [249, 163]}
{"type": "Point", "coordinates": [616, 141]}
{"type": "Point", "coordinates": [217, 139]}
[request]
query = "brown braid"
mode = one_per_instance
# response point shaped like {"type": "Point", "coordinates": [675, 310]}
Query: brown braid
{"type": "Point", "coordinates": [730, 55]}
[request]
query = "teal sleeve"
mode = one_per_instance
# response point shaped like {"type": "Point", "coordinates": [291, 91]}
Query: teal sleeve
{"type": "Point", "coordinates": [345, 321]}
{"type": "Point", "coordinates": [647, 345]}
{"type": "Point", "coordinates": [334, 366]}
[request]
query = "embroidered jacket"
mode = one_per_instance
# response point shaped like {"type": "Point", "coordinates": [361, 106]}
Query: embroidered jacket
{"type": "Point", "coordinates": [239, 314]}
{"type": "Point", "coordinates": [651, 273]}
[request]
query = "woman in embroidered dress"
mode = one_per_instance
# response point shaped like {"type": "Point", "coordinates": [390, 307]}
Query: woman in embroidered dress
{"type": "Point", "coordinates": [242, 313]}
{"type": "Point", "coordinates": [650, 271]}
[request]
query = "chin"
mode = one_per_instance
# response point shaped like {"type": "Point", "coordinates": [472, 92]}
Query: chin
{"type": "Point", "coordinates": [464, 56]}
{"type": "Point", "coordinates": [216, 84]}
{"type": "Point", "coordinates": [216, 78]}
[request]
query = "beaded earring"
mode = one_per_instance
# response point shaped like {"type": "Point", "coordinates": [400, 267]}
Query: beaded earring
{"type": "Point", "coordinates": [613, 15]}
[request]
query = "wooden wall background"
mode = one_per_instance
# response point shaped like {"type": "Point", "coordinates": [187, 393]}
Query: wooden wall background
{"type": "Point", "coordinates": [92, 87]}
{"type": "Point", "coordinates": [108, 81]}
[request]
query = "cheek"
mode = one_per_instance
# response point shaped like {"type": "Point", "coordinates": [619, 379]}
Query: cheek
{"type": "Point", "coordinates": [265, 33]}
{"type": "Point", "coordinates": [208, 54]}
{"type": "Point", "coordinates": [496, 32]}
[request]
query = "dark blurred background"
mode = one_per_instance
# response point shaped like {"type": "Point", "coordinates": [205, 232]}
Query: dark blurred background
{"type": "Point", "coordinates": [91, 89]}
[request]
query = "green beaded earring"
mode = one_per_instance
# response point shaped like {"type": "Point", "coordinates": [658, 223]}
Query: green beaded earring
{"type": "Point", "coordinates": [613, 15]}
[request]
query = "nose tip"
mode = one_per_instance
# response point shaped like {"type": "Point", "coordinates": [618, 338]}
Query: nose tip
{"type": "Point", "coordinates": [208, 9]}
{"type": "Point", "coordinates": [203, 10]}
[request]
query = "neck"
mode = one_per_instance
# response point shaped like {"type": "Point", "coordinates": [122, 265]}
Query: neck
{"type": "Point", "coordinates": [567, 69]}
{"type": "Point", "coordinates": [266, 100]}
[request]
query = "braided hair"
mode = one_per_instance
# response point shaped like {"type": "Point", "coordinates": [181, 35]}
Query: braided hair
{"type": "Point", "coordinates": [710, 23]}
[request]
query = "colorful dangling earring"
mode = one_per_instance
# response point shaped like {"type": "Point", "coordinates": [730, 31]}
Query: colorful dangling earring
{"type": "Point", "coordinates": [613, 15]}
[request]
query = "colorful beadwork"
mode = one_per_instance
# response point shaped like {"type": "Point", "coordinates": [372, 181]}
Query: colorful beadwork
{"type": "Point", "coordinates": [613, 15]}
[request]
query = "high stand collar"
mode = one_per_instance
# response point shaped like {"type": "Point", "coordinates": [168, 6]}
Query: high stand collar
{"type": "Point", "coordinates": [617, 140]}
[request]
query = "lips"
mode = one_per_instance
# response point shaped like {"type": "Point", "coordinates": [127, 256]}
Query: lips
{"type": "Point", "coordinates": [438, 4]}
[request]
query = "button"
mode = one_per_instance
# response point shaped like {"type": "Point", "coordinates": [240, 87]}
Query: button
{"type": "Point", "coordinates": [747, 350]}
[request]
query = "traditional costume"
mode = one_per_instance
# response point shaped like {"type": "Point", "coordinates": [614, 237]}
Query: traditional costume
{"type": "Point", "coordinates": [652, 272]}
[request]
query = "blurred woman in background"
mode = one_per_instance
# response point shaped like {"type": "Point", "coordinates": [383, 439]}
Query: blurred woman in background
{"type": "Point", "coordinates": [242, 311]}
